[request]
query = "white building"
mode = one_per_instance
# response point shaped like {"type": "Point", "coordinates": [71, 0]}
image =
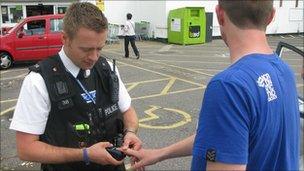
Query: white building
{"type": "Point", "coordinates": [288, 18]}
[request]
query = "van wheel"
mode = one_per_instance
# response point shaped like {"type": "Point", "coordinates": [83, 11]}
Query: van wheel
{"type": "Point", "coordinates": [6, 60]}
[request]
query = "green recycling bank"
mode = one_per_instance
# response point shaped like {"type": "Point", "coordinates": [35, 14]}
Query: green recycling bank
{"type": "Point", "coordinates": [187, 25]}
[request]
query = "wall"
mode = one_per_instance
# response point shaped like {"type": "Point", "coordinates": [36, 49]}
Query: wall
{"type": "Point", "coordinates": [151, 11]}
{"type": "Point", "coordinates": [288, 19]}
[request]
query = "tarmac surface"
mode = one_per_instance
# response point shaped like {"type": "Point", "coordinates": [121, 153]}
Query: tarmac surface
{"type": "Point", "coordinates": [166, 85]}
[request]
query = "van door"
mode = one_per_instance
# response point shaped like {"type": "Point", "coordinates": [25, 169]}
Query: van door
{"type": "Point", "coordinates": [31, 43]}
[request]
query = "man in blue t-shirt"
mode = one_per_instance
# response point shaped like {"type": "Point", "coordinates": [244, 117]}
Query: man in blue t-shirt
{"type": "Point", "coordinates": [249, 118]}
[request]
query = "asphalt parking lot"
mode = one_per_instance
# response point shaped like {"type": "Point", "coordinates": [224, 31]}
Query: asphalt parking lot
{"type": "Point", "coordinates": [166, 85]}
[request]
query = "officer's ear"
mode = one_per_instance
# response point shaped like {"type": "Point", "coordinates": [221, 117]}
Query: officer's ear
{"type": "Point", "coordinates": [220, 14]}
{"type": "Point", "coordinates": [65, 38]}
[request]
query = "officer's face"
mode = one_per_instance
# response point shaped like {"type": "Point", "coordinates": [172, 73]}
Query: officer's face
{"type": "Point", "coordinates": [85, 47]}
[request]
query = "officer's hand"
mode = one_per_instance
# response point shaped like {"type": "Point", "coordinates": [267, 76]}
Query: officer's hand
{"type": "Point", "coordinates": [98, 154]}
{"type": "Point", "coordinates": [131, 141]}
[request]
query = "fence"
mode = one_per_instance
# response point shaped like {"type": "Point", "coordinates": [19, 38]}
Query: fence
{"type": "Point", "coordinates": [113, 30]}
{"type": "Point", "coordinates": [142, 30]}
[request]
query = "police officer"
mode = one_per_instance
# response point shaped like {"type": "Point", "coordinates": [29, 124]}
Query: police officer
{"type": "Point", "coordinates": [73, 106]}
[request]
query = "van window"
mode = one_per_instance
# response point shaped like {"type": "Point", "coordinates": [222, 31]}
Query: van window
{"type": "Point", "coordinates": [36, 27]}
{"type": "Point", "coordinates": [56, 25]}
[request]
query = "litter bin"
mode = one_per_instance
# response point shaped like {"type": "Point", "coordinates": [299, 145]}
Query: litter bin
{"type": "Point", "coordinates": [187, 25]}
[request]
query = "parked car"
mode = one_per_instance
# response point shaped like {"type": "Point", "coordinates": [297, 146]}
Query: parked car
{"type": "Point", "coordinates": [34, 38]}
{"type": "Point", "coordinates": [5, 27]}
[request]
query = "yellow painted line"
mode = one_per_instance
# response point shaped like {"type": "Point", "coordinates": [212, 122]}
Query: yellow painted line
{"type": "Point", "coordinates": [6, 101]}
{"type": "Point", "coordinates": [152, 116]}
{"type": "Point", "coordinates": [147, 70]}
{"type": "Point", "coordinates": [174, 92]}
{"type": "Point", "coordinates": [121, 65]}
{"type": "Point", "coordinates": [186, 90]}
{"type": "Point", "coordinates": [132, 86]}
{"type": "Point", "coordinates": [10, 78]}
{"type": "Point", "coordinates": [190, 82]}
{"type": "Point", "coordinates": [204, 62]}
{"type": "Point", "coordinates": [168, 86]}
{"type": "Point", "coordinates": [164, 75]}
{"type": "Point", "coordinates": [7, 110]}
{"type": "Point", "coordinates": [3, 72]}
{"type": "Point", "coordinates": [178, 67]}
{"type": "Point", "coordinates": [209, 69]}
{"type": "Point", "coordinates": [147, 81]}
{"type": "Point", "coordinates": [13, 70]}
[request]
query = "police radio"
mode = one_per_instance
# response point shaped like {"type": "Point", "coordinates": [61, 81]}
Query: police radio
{"type": "Point", "coordinates": [114, 84]}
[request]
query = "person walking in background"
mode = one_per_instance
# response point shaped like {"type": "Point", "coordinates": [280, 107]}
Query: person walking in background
{"type": "Point", "coordinates": [129, 32]}
{"type": "Point", "coordinates": [249, 118]}
{"type": "Point", "coordinates": [73, 106]}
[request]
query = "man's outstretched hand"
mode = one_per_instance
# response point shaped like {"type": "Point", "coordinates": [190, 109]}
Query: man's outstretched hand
{"type": "Point", "coordinates": [143, 157]}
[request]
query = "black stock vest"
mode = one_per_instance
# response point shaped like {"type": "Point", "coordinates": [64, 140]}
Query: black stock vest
{"type": "Point", "coordinates": [74, 121]}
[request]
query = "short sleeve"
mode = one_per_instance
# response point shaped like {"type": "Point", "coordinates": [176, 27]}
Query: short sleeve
{"type": "Point", "coordinates": [33, 106]}
{"type": "Point", "coordinates": [223, 127]}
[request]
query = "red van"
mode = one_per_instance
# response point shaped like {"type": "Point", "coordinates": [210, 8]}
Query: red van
{"type": "Point", "coordinates": [32, 39]}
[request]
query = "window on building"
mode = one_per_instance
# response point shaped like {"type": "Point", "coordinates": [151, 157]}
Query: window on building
{"type": "Point", "coordinates": [16, 13]}
{"type": "Point", "coordinates": [4, 13]}
{"type": "Point", "coordinates": [33, 10]}
{"type": "Point", "coordinates": [56, 25]}
{"type": "Point", "coordinates": [281, 3]}
{"type": "Point", "coordinates": [297, 3]}
{"type": "Point", "coordinates": [61, 10]}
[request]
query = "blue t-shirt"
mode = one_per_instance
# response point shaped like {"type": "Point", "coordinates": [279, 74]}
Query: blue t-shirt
{"type": "Point", "coordinates": [250, 116]}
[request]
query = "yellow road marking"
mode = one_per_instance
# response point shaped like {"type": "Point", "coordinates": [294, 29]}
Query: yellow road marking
{"type": "Point", "coordinates": [164, 74]}
{"type": "Point", "coordinates": [152, 116]}
{"type": "Point", "coordinates": [10, 78]}
{"type": "Point", "coordinates": [209, 69]}
{"type": "Point", "coordinates": [7, 110]}
{"type": "Point", "coordinates": [148, 81]}
{"type": "Point", "coordinates": [6, 101]}
{"type": "Point", "coordinates": [204, 62]}
{"type": "Point", "coordinates": [178, 67]}
{"type": "Point", "coordinates": [3, 72]}
{"type": "Point", "coordinates": [132, 86]}
{"type": "Point", "coordinates": [174, 92]}
{"type": "Point", "coordinates": [168, 86]}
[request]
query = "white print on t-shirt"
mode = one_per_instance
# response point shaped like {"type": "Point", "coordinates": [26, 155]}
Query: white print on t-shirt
{"type": "Point", "coordinates": [265, 81]}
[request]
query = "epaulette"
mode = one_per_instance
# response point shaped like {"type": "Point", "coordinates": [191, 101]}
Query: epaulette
{"type": "Point", "coordinates": [35, 68]}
